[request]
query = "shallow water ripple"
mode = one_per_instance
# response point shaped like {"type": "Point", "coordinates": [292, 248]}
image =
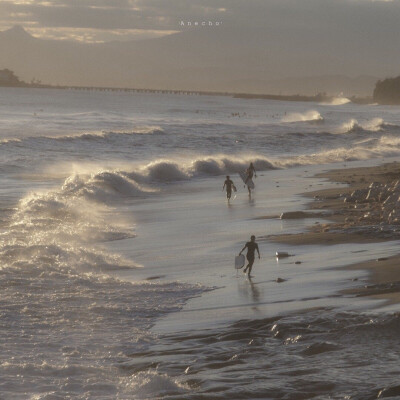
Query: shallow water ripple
{"type": "Point", "coordinates": [319, 354]}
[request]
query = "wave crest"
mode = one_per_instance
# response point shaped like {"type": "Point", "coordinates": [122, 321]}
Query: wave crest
{"type": "Point", "coordinates": [87, 136]}
{"type": "Point", "coordinates": [165, 171]}
{"type": "Point", "coordinates": [375, 125]}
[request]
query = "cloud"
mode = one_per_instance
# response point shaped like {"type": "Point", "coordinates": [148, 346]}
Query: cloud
{"type": "Point", "coordinates": [88, 35]}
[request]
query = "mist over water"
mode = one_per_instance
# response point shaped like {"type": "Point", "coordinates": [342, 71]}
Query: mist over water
{"type": "Point", "coordinates": [89, 179]}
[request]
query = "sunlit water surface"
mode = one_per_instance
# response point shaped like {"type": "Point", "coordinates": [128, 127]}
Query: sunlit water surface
{"type": "Point", "coordinates": [117, 251]}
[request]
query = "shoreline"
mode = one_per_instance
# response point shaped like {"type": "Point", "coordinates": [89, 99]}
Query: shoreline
{"type": "Point", "coordinates": [357, 213]}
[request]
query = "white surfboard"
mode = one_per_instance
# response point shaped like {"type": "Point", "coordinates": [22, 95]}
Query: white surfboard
{"type": "Point", "coordinates": [249, 182]}
{"type": "Point", "coordinates": [240, 261]}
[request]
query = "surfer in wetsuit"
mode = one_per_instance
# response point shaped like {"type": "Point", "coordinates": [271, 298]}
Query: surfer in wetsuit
{"type": "Point", "coordinates": [250, 172]}
{"type": "Point", "coordinates": [229, 186]}
{"type": "Point", "coordinates": [251, 246]}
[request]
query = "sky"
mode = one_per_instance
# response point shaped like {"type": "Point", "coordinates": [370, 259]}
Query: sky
{"type": "Point", "coordinates": [240, 45]}
{"type": "Point", "coordinates": [107, 20]}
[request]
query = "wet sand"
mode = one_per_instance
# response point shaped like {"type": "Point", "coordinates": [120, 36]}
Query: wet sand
{"type": "Point", "coordinates": [358, 221]}
{"type": "Point", "coordinates": [384, 279]}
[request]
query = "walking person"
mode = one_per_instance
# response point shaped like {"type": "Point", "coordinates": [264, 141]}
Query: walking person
{"type": "Point", "coordinates": [229, 185]}
{"type": "Point", "coordinates": [250, 172]}
{"type": "Point", "coordinates": [251, 246]}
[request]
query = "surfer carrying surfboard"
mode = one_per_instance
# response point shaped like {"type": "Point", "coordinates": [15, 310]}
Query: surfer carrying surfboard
{"type": "Point", "coordinates": [228, 184]}
{"type": "Point", "coordinates": [251, 246]}
{"type": "Point", "coordinates": [247, 177]}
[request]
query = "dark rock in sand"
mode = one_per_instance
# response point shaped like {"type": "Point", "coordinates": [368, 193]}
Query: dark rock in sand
{"type": "Point", "coordinates": [293, 215]}
{"type": "Point", "coordinates": [151, 278]}
{"type": "Point", "coordinates": [282, 254]}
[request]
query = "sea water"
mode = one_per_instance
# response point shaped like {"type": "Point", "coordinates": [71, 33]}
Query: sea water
{"type": "Point", "coordinates": [117, 248]}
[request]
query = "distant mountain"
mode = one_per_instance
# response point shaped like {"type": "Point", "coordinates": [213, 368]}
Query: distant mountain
{"type": "Point", "coordinates": [16, 33]}
{"type": "Point", "coordinates": [198, 59]}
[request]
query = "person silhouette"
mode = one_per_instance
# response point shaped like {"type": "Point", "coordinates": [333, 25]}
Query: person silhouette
{"type": "Point", "coordinates": [250, 172]}
{"type": "Point", "coordinates": [251, 246]}
{"type": "Point", "coordinates": [229, 185]}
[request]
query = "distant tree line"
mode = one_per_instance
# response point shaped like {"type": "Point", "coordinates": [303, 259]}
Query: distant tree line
{"type": "Point", "coordinates": [8, 78]}
{"type": "Point", "coordinates": [387, 91]}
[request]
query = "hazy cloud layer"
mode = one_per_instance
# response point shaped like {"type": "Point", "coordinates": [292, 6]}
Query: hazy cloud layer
{"type": "Point", "coordinates": [136, 16]}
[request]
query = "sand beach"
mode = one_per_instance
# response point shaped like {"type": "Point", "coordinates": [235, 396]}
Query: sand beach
{"type": "Point", "coordinates": [359, 213]}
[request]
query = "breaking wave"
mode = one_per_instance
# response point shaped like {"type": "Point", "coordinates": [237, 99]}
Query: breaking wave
{"type": "Point", "coordinates": [106, 185]}
{"type": "Point", "coordinates": [64, 226]}
{"type": "Point", "coordinates": [386, 146]}
{"type": "Point", "coordinates": [141, 130]}
{"type": "Point", "coordinates": [166, 170]}
{"type": "Point", "coordinates": [338, 101]}
{"type": "Point", "coordinates": [67, 321]}
{"type": "Point", "coordinates": [375, 125]}
{"type": "Point", "coordinates": [103, 186]}
{"type": "Point", "coordinates": [87, 136]}
{"type": "Point", "coordinates": [309, 116]}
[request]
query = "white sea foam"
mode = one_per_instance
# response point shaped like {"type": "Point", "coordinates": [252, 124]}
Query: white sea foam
{"type": "Point", "coordinates": [374, 125]}
{"type": "Point", "coordinates": [383, 146]}
{"type": "Point", "coordinates": [103, 186]}
{"type": "Point", "coordinates": [64, 333]}
{"type": "Point", "coordinates": [56, 228]}
{"type": "Point", "coordinates": [350, 126]}
{"type": "Point", "coordinates": [11, 140]}
{"type": "Point", "coordinates": [66, 321]}
{"type": "Point", "coordinates": [152, 384]}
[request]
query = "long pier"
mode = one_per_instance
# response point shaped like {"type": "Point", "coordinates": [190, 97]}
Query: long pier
{"type": "Point", "coordinates": [153, 91]}
{"type": "Point", "coordinates": [316, 98]}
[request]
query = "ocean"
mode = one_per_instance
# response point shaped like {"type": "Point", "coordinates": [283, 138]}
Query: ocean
{"type": "Point", "coordinates": [117, 249]}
